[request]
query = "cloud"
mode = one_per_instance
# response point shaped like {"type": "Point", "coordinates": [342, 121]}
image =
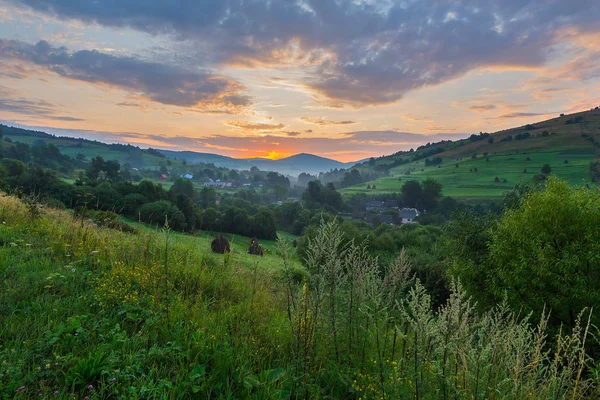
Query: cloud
{"type": "Point", "coordinates": [161, 83]}
{"type": "Point", "coordinates": [413, 118]}
{"type": "Point", "coordinates": [358, 53]}
{"type": "Point", "coordinates": [520, 115]}
{"type": "Point", "coordinates": [324, 122]}
{"type": "Point", "coordinates": [293, 133]}
{"type": "Point", "coordinates": [309, 131]}
{"type": "Point", "coordinates": [254, 126]}
{"type": "Point", "coordinates": [482, 108]}
{"type": "Point", "coordinates": [10, 102]}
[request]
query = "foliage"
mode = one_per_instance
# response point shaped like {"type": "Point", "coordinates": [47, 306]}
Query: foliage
{"type": "Point", "coordinates": [541, 253]}
{"type": "Point", "coordinates": [106, 314]}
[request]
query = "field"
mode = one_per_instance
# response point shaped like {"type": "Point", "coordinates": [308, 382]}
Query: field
{"type": "Point", "coordinates": [464, 182]}
{"type": "Point", "coordinates": [95, 313]}
{"type": "Point", "coordinates": [201, 241]}
{"type": "Point", "coordinates": [567, 147]}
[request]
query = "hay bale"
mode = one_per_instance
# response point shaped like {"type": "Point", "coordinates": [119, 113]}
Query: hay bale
{"type": "Point", "coordinates": [255, 248]}
{"type": "Point", "coordinates": [220, 245]}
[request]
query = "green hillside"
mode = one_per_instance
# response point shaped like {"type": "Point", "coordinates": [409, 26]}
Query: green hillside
{"type": "Point", "coordinates": [72, 147]}
{"type": "Point", "coordinates": [469, 167]}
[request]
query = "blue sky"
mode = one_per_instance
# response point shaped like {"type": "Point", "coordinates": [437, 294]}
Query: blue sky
{"type": "Point", "coordinates": [345, 79]}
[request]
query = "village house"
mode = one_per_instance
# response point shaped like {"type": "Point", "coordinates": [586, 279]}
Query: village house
{"type": "Point", "coordinates": [217, 184]}
{"type": "Point", "coordinates": [408, 215]}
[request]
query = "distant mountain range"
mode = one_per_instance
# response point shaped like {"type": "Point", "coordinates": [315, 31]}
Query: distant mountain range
{"type": "Point", "coordinates": [72, 145]}
{"type": "Point", "coordinates": [293, 165]}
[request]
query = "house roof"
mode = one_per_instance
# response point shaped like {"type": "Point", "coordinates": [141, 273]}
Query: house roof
{"type": "Point", "coordinates": [408, 213]}
{"type": "Point", "coordinates": [392, 203]}
{"type": "Point", "coordinates": [374, 203]}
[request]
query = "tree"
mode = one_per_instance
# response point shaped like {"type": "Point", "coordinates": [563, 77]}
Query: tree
{"type": "Point", "coordinates": [304, 178]}
{"type": "Point", "coordinates": [411, 193]}
{"type": "Point", "coordinates": [327, 195]}
{"type": "Point", "coordinates": [100, 169]}
{"type": "Point", "coordinates": [207, 197]}
{"type": "Point", "coordinates": [188, 209]}
{"type": "Point", "coordinates": [158, 212]}
{"type": "Point", "coordinates": [352, 178]}
{"type": "Point", "coordinates": [541, 254]}
{"type": "Point", "coordinates": [546, 169]}
{"type": "Point", "coordinates": [182, 187]}
{"type": "Point", "coordinates": [13, 167]}
{"type": "Point", "coordinates": [431, 193]}
{"type": "Point", "coordinates": [131, 204]}
{"type": "Point", "coordinates": [264, 226]}
{"type": "Point", "coordinates": [234, 175]}
{"type": "Point", "coordinates": [281, 192]}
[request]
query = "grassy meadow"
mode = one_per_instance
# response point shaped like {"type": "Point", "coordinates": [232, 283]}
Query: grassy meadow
{"type": "Point", "coordinates": [552, 142]}
{"type": "Point", "coordinates": [95, 313]}
{"type": "Point", "coordinates": [464, 182]}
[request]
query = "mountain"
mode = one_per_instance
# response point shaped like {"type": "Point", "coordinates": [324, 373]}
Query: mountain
{"type": "Point", "coordinates": [293, 165]}
{"type": "Point", "coordinates": [486, 166]}
{"type": "Point", "coordinates": [140, 158]}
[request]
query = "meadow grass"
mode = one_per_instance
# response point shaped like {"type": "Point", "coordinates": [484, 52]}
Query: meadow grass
{"type": "Point", "coordinates": [464, 182]}
{"type": "Point", "coordinates": [92, 312]}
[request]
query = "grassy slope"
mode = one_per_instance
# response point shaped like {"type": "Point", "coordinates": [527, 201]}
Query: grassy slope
{"type": "Point", "coordinates": [85, 311]}
{"type": "Point", "coordinates": [94, 313]}
{"type": "Point", "coordinates": [73, 147]}
{"type": "Point", "coordinates": [507, 160]}
{"type": "Point", "coordinates": [202, 240]}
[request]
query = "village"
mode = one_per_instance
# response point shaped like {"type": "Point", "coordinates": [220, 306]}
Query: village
{"type": "Point", "coordinates": [386, 212]}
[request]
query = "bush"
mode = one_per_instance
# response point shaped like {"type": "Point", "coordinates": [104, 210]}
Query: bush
{"type": "Point", "coordinates": [546, 169]}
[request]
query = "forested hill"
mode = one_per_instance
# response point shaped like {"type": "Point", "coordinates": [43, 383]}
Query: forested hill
{"type": "Point", "coordinates": [152, 158]}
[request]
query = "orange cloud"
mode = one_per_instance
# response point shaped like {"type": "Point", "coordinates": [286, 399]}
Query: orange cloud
{"type": "Point", "coordinates": [254, 126]}
{"type": "Point", "coordinates": [324, 122]}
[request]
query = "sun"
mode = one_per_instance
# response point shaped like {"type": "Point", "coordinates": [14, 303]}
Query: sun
{"type": "Point", "coordinates": [273, 155]}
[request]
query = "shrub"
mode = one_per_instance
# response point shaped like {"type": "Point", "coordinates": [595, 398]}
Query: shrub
{"type": "Point", "coordinates": [546, 169]}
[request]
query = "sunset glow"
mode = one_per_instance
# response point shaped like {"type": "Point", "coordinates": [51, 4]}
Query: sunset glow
{"type": "Point", "coordinates": [345, 80]}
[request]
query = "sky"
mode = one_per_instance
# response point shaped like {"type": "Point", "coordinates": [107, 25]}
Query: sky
{"type": "Point", "coordinates": [344, 79]}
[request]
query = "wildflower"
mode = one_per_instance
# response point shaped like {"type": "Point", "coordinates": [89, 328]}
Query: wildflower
{"type": "Point", "coordinates": [113, 379]}
{"type": "Point", "coordinates": [56, 392]}
{"type": "Point", "coordinates": [86, 398]}
{"type": "Point", "coordinates": [21, 389]}
{"type": "Point", "coordinates": [90, 387]}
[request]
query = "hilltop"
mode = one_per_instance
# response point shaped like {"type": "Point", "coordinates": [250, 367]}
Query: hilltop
{"type": "Point", "coordinates": [293, 165]}
{"type": "Point", "coordinates": [468, 168]}
{"type": "Point", "coordinates": [152, 159]}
